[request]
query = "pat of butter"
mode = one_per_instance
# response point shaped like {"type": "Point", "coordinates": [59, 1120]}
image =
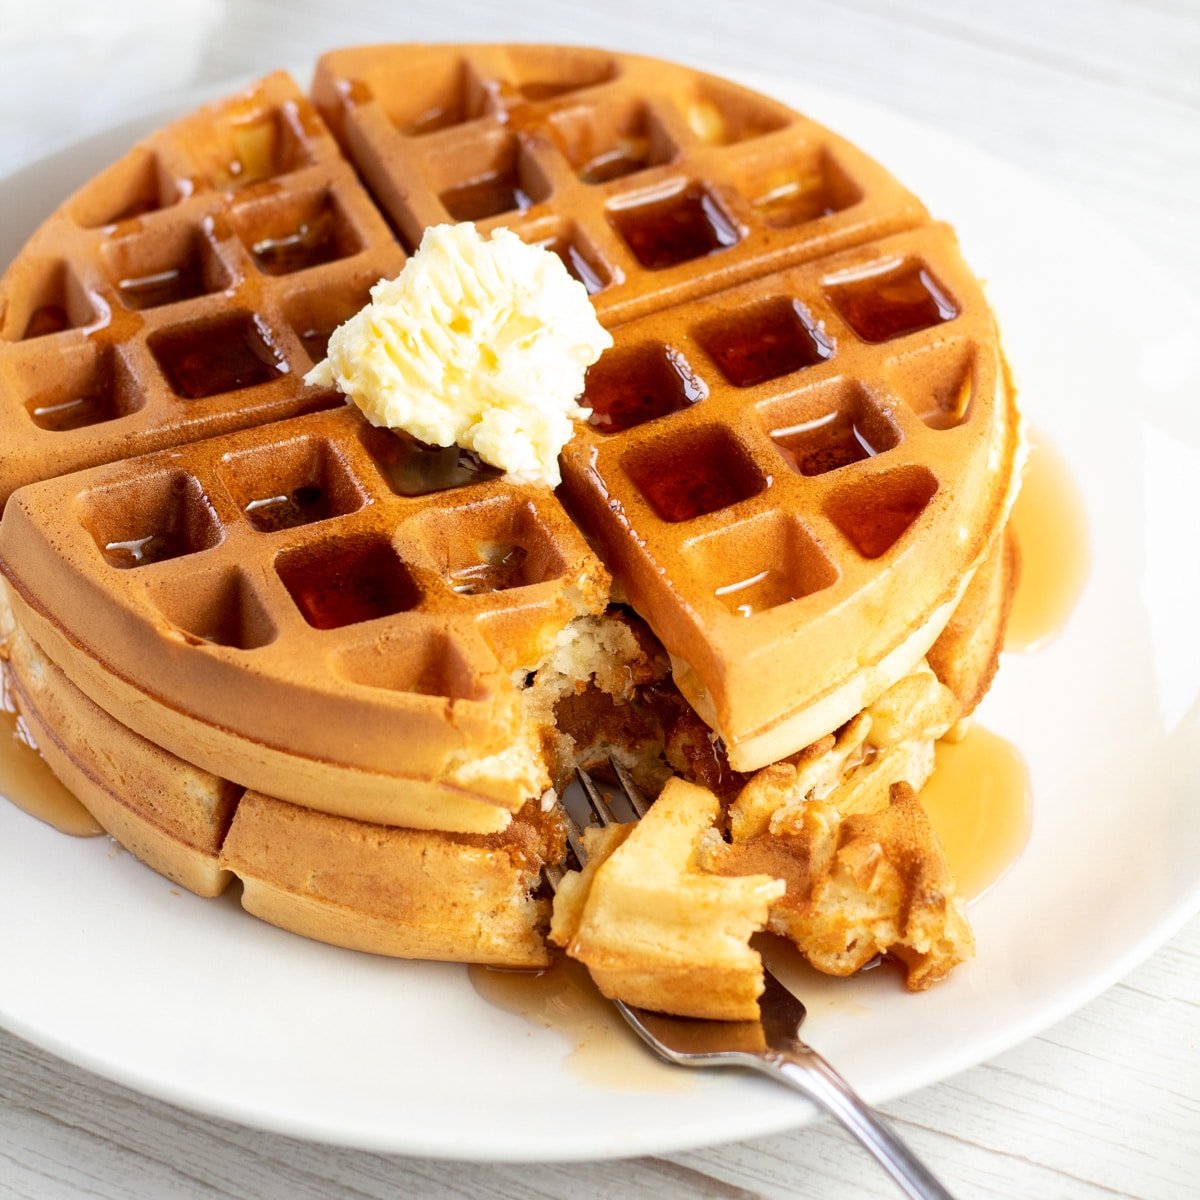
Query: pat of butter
{"type": "Point", "coordinates": [479, 343]}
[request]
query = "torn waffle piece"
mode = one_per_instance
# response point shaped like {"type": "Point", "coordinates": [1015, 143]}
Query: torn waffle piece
{"type": "Point", "coordinates": [654, 929]}
{"type": "Point", "coordinates": [860, 886]}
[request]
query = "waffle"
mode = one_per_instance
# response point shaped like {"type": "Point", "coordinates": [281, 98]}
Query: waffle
{"type": "Point", "coordinates": [169, 813]}
{"type": "Point", "coordinates": [654, 183]}
{"type": "Point", "coordinates": [401, 891]}
{"type": "Point", "coordinates": [859, 886]}
{"type": "Point", "coordinates": [393, 623]}
{"type": "Point", "coordinates": [192, 247]}
{"type": "Point", "coordinates": [404, 892]}
{"type": "Point", "coordinates": [842, 828]}
{"type": "Point", "coordinates": [653, 928]}
{"type": "Point", "coordinates": [801, 453]}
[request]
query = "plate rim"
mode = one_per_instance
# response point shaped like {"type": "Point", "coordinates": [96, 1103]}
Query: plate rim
{"type": "Point", "coordinates": [1039, 1018]}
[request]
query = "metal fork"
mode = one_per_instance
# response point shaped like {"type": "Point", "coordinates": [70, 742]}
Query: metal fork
{"type": "Point", "coordinates": [770, 1045]}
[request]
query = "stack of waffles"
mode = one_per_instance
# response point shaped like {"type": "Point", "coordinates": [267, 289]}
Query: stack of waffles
{"type": "Point", "coordinates": [260, 638]}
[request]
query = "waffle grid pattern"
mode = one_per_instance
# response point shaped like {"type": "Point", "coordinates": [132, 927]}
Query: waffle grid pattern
{"type": "Point", "coordinates": [207, 573]}
{"type": "Point", "coordinates": [122, 334]}
{"type": "Point", "coordinates": [373, 609]}
{"type": "Point", "coordinates": [654, 183]}
{"type": "Point", "coordinates": [796, 499]}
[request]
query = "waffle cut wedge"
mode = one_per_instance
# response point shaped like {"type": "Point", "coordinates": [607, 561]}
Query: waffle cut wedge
{"type": "Point", "coordinates": [338, 657]}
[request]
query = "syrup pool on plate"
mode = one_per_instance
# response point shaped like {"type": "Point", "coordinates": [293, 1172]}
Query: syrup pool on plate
{"type": "Point", "coordinates": [28, 782]}
{"type": "Point", "coordinates": [979, 803]}
{"type": "Point", "coordinates": [979, 796]}
{"type": "Point", "coordinates": [605, 1051]}
{"type": "Point", "coordinates": [1050, 525]}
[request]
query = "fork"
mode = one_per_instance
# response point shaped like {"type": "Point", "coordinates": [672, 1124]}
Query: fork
{"type": "Point", "coordinates": [770, 1045]}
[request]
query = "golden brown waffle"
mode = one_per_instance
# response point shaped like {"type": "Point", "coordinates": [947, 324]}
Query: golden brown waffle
{"type": "Point", "coordinates": [184, 291]}
{"type": "Point", "coordinates": [654, 929]}
{"type": "Point", "coordinates": [411, 893]}
{"type": "Point", "coordinates": [165, 582]}
{"type": "Point", "coordinates": [813, 461]}
{"type": "Point", "coordinates": [357, 659]}
{"type": "Point", "coordinates": [802, 450]}
{"type": "Point", "coordinates": [653, 182]}
{"type": "Point", "coordinates": [169, 813]}
{"type": "Point", "coordinates": [858, 886]}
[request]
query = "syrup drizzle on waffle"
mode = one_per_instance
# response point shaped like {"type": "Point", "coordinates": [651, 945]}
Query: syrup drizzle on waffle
{"type": "Point", "coordinates": [798, 420]}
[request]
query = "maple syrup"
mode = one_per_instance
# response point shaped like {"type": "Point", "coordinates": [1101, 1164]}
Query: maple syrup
{"type": "Point", "coordinates": [536, 90]}
{"type": "Point", "coordinates": [674, 229]}
{"type": "Point", "coordinates": [92, 408]}
{"type": "Point", "coordinates": [604, 1050]}
{"type": "Point", "coordinates": [205, 358]}
{"type": "Point", "coordinates": [578, 266]}
{"type": "Point", "coordinates": [827, 443]}
{"type": "Point", "coordinates": [46, 319]}
{"type": "Point", "coordinates": [314, 314]}
{"type": "Point", "coordinates": [139, 552]}
{"type": "Point", "coordinates": [893, 303]}
{"type": "Point", "coordinates": [757, 593]}
{"type": "Point", "coordinates": [487, 196]}
{"type": "Point", "coordinates": [125, 227]}
{"type": "Point", "coordinates": [163, 287]}
{"type": "Point", "coordinates": [1050, 524]}
{"type": "Point", "coordinates": [771, 339]}
{"type": "Point", "coordinates": [719, 123]}
{"type": "Point", "coordinates": [707, 474]}
{"type": "Point", "coordinates": [876, 515]}
{"type": "Point", "coordinates": [979, 803]}
{"type": "Point", "coordinates": [629, 155]}
{"type": "Point", "coordinates": [316, 342]}
{"type": "Point", "coordinates": [311, 244]}
{"type": "Point", "coordinates": [341, 583]}
{"type": "Point", "coordinates": [301, 506]}
{"type": "Point", "coordinates": [794, 202]}
{"type": "Point", "coordinates": [147, 201]}
{"type": "Point", "coordinates": [27, 781]}
{"type": "Point", "coordinates": [499, 568]}
{"type": "Point", "coordinates": [411, 468]}
{"type": "Point", "coordinates": [356, 92]}
{"type": "Point", "coordinates": [437, 117]}
{"type": "Point", "coordinates": [629, 389]}
{"type": "Point", "coordinates": [465, 103]}
{"type": "Point", "coordinates": [499, 97]}
{"type": "Point", "coordinates": [262, 146]}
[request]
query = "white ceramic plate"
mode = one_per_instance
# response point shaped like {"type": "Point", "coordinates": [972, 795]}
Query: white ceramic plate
{"type": "Point", "coordinates": [107, 965]}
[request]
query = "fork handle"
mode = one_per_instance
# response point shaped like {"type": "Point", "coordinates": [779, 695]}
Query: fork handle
{"type": "Point", "coordinates": [802, 1068]}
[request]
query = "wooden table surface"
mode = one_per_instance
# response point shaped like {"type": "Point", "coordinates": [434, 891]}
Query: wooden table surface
{"type": "Point", "coordinates": [1100, 98]}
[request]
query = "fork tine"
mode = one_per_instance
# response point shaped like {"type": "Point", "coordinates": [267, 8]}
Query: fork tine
{"type": "Point", "coordinates": [636, 800]}
{"type": "Point", "coordinates": [574, 838]}
{"type": "Point", "coordinates": [595, 798]}
{"type": "Point", "coordinates": [554, 872]}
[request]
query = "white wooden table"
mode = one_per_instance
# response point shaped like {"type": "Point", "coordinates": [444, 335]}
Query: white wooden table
{"type": "Point", "coordinates": [1101, 98]}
